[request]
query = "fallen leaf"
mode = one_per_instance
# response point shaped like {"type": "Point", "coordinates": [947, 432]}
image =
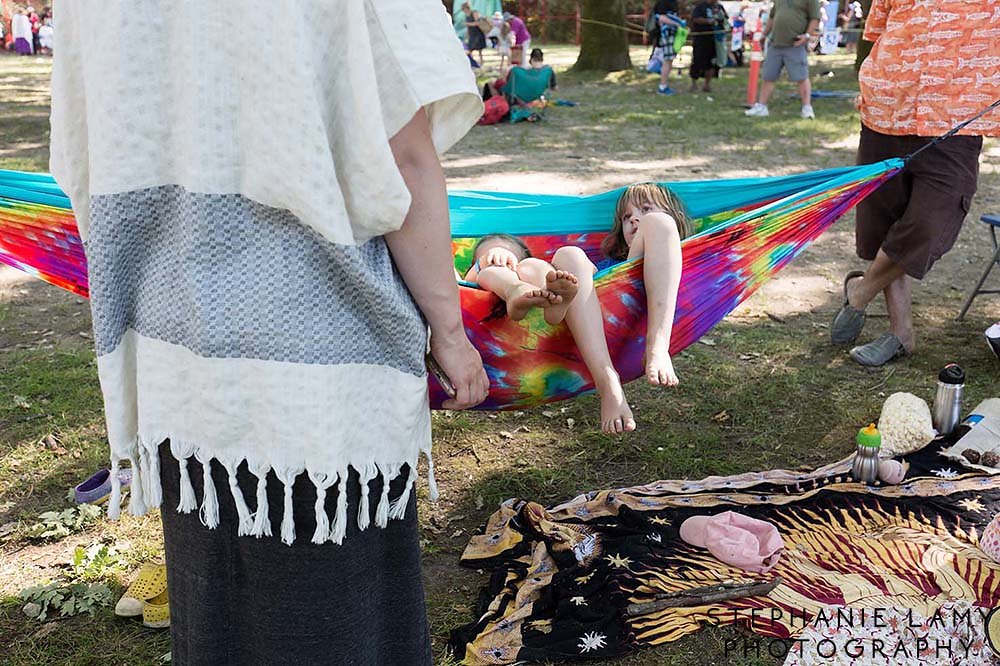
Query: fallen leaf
{"type": "Point", "coordinates": [457, 533]}
{"type": "Point", "coordinates": [548, 414]}
{"type": "Point", "coordinates": [570, 423]}
{"type": "Point", "coordinates": [506, 434]}
{"type": "Point", "coordinates": [708, 342]}
{"type": "Point", "coordinates": [721, 416]}
{"type": "Point", "coordinates": [22, 402]}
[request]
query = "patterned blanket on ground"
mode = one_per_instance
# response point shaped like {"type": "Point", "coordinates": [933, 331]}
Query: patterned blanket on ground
{"type": "Point", "coordinates": [563, 578]}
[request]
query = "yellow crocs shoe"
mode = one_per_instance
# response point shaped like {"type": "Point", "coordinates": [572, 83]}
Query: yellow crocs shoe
{"type": "Point", "coordinates": [151, 582]}
{"type": "Point", "coordinates": [156, 611]}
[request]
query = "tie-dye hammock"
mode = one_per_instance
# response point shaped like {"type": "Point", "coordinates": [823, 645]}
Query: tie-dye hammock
{"type": "Point", "coordinates": [746, 230]}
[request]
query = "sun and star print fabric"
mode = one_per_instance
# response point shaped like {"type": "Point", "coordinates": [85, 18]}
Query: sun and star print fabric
{"type": "Point", "coordinates": [563, 578]}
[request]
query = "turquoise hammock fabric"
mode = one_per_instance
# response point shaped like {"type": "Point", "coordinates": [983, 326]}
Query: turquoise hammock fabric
{"type": "Point", "coordinates": [746, 230]}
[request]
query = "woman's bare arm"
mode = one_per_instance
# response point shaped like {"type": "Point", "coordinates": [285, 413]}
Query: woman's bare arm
{"type": "Point", "coordinates": [422, 252]}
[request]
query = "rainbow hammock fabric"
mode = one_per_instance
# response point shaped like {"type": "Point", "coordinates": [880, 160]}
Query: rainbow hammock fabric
{"type": "Point", "coordinates": [746, 230]}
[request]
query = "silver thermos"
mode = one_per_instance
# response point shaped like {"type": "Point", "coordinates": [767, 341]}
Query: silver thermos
{"type": "Point", "coordinates": [948, 398]}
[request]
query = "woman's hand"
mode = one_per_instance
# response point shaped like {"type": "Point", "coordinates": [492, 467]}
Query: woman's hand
{"type": "Point", "coordinates": [499, 256]}
{"type": "Point", "coordinates": [463, 366]}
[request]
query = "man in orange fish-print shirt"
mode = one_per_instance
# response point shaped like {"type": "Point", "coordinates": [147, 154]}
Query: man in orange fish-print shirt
{"type": "Point", "coordinates": [935, 64]}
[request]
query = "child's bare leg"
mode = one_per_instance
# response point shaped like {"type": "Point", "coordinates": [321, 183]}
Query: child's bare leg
{"type": "Point", "coordinates": [658, 242]}
{"type": "Point", "coordinates": [561, 283]}
{"type": "Point", "coordinates": [519, 296]}
{"type": "Point", "coordinates": [586, 322]}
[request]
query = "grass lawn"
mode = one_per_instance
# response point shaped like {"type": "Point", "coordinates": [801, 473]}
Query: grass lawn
{"type": "Point", "coordinates": [766, 391]}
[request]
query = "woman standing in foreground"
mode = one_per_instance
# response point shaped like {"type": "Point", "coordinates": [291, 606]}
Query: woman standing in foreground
{"type": "Point", "coordinates": [255, 221]}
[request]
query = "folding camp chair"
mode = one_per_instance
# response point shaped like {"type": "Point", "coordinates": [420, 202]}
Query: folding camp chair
{"type": "Point", "coordinates": [525, 86]}
{"type": "Point", "coordinates": [994, 222]}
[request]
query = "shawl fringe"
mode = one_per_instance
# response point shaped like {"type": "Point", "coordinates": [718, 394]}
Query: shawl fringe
{"type": "Point", "coordinates": [146, 492]}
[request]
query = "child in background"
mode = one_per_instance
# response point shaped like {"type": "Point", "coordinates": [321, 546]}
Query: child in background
{"type": "Point", "coordinates": [504, 46]}
{"type": "Point", "coordinates": [504, 265]}
{"type": "Point", "coordinates": [46, 36]}
{"type": "Point", "coordinates": [667, 22]}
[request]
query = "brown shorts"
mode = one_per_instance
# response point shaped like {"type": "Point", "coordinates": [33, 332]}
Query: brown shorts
{"type": "Point", "coordinates": [915, 216]}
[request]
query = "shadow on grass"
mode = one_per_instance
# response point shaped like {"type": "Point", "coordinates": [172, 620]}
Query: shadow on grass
{"type": "Point", "coordinates": [78, 641]}
{"type": "Point", "coordinates": [768, 394]}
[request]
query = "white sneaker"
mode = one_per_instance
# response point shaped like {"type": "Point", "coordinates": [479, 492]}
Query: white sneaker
{"type": "Point", "coordinates": [807, 111]}
{"type": "Point", "coordinates": [757, 109]}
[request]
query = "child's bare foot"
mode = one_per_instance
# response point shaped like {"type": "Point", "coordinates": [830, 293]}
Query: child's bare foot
{"type": "Point", "coordinates": [616, 415]}
{"type": "Point", "coordinates": [660, 368]}
{"type": "Point", "coordinates": [563, 284]}
{"type": "Point", "coordinates": [523, 297]}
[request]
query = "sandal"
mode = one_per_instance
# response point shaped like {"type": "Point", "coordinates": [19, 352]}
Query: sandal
{"type": "Point", "coordinates": [849, 320]}
{"type": "Point", "coordinates": [97, 488]}
{"type": "Point", "coordinates": [156, 612]}
{"type": "Point", "coordinates": [149, 584]}
{"type": "Point", "coordinates": [886, 347]}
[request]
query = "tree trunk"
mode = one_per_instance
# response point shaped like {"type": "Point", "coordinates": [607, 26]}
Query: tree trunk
{"type": "Point", "coordinates": [603, 47]}
{"type": "Point", "coordinates": [864, 46]}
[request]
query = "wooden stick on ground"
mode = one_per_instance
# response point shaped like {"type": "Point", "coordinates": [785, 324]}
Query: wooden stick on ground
{"type": "Point", "coordinates": [700, 596]}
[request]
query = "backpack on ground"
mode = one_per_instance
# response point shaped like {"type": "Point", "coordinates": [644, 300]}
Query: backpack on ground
{"type": "Point", "coordinates": [497, 109]}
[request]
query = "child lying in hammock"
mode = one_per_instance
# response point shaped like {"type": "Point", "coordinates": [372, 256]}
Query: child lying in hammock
{"type": "Point", "coordinates": [504, 265]}
{"type": "Point", "coordinates": [650, 223]}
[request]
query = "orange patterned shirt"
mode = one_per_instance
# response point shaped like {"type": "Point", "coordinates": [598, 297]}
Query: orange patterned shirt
{"type": "Point", "coordinates": [935, 63]}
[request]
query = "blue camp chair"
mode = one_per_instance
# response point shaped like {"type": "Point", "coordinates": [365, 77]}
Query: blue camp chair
{"type": "Point", "coordinates": [993, 222]}
{"type": "Point", "coordinates": [526, 85]}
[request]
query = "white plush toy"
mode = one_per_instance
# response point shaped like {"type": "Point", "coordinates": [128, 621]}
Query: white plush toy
{"type": "Point", "coordinates": [905, 424]}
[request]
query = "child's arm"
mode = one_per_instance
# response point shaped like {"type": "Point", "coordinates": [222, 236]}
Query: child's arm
{"type": "Point", "coordinates": [668, 19]}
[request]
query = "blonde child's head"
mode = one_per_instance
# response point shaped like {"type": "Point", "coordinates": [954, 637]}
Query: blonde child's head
{"type": "Point", "coordinates": [658, 198]}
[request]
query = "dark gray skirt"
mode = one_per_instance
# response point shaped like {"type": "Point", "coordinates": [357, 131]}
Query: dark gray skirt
{"type": "Point", "coordinates": [241, 600]}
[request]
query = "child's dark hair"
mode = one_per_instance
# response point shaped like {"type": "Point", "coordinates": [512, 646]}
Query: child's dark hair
{"type": "Point", "coordinates": [614, 245]}
{"type": "Point", "coordinates": [513, 240]}
{"type": "Point", "coordinates": [536, 54]}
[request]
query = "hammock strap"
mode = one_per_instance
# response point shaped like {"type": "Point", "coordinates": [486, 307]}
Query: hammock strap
{"type": "Point", "coordinates": [957, 128]}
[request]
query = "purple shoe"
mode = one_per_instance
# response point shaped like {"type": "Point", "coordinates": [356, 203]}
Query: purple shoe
{"type": "Point", "coordinates": [97, 488]}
